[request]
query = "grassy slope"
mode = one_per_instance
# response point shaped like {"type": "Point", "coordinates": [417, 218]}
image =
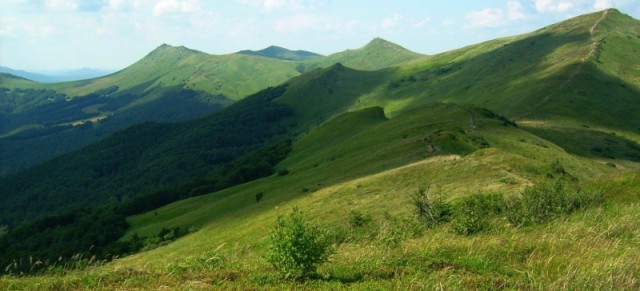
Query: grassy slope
{"type": "Point", "coordinates": [559, 78]}
{"type": "Point", "coordinates": [234, 227]}
{"type": "Point", "coordinates": [377, 54]}
{"type": "Point", "coordinates": [234, 76]}
{"type": "Point", "coordinates": [12, 81]}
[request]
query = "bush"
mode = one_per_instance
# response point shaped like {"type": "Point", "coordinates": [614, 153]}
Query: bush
{"type": "Point", "coordinates": [283, 172]}
{"type": "Point", "coordinates": [359, 219]}
{"type": "Point", "coordinates": [473, 213]}
{"type": "Point", "coordinates": [543, 202]}
{"type": "Point", "coordinates": [297, 247]}
{"type": "Point", "coordinates": [431, 211]}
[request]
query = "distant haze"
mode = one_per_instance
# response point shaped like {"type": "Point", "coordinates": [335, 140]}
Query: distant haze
{"type": "Point", "coordinates": [58, 76]}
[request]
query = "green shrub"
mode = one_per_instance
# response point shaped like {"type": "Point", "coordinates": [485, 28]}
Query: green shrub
{"type": "Point", "coordinates": [297, 247]}
{"type": "Point", "coordinates": [473, 213]}
{"type": "Point", "coordinates": [283, 172]}
{"type": "Point", "coordinates": [431, 211]}
{"type": "Point", "coordinates": [359, 219]}
{"type": "Point", "coordinates": [543, 202]}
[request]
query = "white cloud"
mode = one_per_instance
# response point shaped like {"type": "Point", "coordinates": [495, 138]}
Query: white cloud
{"type": "Point", "coordinates": [552, 6]}
{"type": "Point", "coordinates": [269, 5]}
{"type": "Point", "coordinates": [391, 21]}
{"type": "Point", "coordinates": [61, 4]}
{"type": "Point", "coordinates": [175, 7]}
{"type": "Point", "coordinates": [602, 4]}
{"type": "Point", "coordinates": [8, 26]}
{"type": "Point", "coordinates": [421, 23]}
{"type": "Point", "coordinates": [448, 22]}
{"type": "Point", "coordinates": [117, 4]}
{"type": "Point", "coordinates": [515, 10]}
{"type": "Point", "coordinates": [300, 22]}
{"type": "Point", "coordinates": [312, 22]}
{"type": "Point", "coordinates": [486, 18]}
{"type": "Point", "coordinates": [496, 17]}
{"type": "Point", "coordinates": [36, 27]}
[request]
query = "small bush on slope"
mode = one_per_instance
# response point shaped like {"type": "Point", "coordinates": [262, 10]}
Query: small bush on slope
{"type": "Point", "coordinates": [473, 213]}
{"type": "Point", "coordinates": [297, 248]}
{"type": "Point", "coordinates": [543, 202]}
{"type": "Point", "coordinates": [431, 211]}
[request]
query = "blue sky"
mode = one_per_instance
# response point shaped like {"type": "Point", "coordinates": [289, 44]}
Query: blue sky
{"type": "Point", "coordinates": [42, 35]}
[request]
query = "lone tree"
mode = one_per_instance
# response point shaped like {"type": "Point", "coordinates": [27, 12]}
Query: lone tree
{"type": "Point", "coordinates": [297, 247]}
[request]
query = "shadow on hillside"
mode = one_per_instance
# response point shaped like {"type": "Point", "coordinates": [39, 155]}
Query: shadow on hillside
{"type": "Point", "coordinates": [590, 143]}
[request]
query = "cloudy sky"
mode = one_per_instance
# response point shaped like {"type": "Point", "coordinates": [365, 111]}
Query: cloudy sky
{"type": "Point", "coordinates": [39, 35]}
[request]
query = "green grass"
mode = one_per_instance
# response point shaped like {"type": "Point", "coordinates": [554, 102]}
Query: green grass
{"type": "Point", "coordinates": [536, 257]}
{"type": "Point", "coordinates": [12, 81]}
{"type": "Point", "coordinates": [377, 54]}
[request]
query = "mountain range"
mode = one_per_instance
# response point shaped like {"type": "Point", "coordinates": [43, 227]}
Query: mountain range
{"type": "Point", "coordinates": [346, 137]}
{"type": "Point", "coordinates": [169, 84]}
{"type": "Point", "coordinates": [57, 76]}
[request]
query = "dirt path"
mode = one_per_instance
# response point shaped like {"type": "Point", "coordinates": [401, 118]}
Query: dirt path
{"type": "Point", "coordinates": [595, 25]}
{"type": "Point", "coordinates": [592, 52]}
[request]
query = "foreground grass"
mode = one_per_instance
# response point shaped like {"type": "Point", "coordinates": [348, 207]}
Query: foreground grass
{"type": "Point", "coordinates": [592, 249]}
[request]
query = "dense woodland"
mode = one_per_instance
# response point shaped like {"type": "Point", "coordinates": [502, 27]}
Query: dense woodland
{"type": "Point", "coordinates": [49, 115]}
{"type": "Point", "coordinates": [143, 159]}
{"type": "Point", "coordinates": [63, 238]}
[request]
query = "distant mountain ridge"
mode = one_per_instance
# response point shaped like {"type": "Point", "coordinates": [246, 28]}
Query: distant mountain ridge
{"type": "Point", "coordinates": [281, 53]}
{"type": "Point", "coordinates": [58, 76]}
{"type": "Point", "coordinates": [171, 83]}
{"type": "Point", "coordinates": [375, 55]}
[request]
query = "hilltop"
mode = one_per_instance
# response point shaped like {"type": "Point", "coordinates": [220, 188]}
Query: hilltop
{"type": "Point", "coordinates": [281, 53]}
{"type": "Point", "coordinates": [375, 55]}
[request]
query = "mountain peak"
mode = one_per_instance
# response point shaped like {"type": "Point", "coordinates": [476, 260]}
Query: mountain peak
{"type": "Point", "coordinates": [172, 52]}
{"type": "Point", "coordinates": [168, 47]}
{"type": "Point", "coordinates": [383, 43]}
{"type": "Point", "coordinates": [380, 44]}
{"type": "Point", "coordinates": [277, 52]}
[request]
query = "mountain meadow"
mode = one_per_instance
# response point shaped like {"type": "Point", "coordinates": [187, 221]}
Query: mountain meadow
{"type": "Point", "coordinates": [508, 164]}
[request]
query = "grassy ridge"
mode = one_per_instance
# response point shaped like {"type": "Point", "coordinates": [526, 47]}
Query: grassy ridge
{"type": "Point", "coordinates": [170, 84]}
{"type": "Point", "coordinates": [281, 53]}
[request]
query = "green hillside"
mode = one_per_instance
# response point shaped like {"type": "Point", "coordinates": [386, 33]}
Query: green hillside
{"type": "Point", "coordinates": [41, 121]}
{"type": "Point", "coordinates": [377, 54]}
{"type": "Point", "coordinates": [12, 81]}
{"type": "Point", "coordinates": [141, 159]}
{"type": "Point", "coordinates": [554, 109]}
{"type": "Point", "coordinates": [276, 52]}
{"type": "Point", "coordinates": [233, 76]}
